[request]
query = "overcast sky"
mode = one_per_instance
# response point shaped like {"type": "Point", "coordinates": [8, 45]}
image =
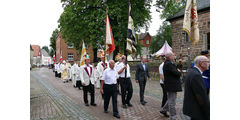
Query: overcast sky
{"type": "Point", "coordinates": [44, 17]}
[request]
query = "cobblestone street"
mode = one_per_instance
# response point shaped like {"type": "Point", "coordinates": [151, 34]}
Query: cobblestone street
{"type": "Point", "coordinates": [52, 99]}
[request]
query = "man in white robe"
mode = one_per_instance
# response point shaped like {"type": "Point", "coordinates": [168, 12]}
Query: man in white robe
{"type": "Point", "coordinates": [69, 70]}
{"type": "Point", "coordinates": [64, 72]}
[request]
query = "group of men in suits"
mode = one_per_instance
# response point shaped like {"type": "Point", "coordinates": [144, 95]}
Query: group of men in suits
{"type": "Point", "coordinates": [196, 102]}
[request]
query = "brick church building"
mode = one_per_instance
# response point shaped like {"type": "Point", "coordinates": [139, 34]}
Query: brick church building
{"type": "Point", "coordinates": [179, 44]}
{"type": "Point", "coordinates": [68, 52]}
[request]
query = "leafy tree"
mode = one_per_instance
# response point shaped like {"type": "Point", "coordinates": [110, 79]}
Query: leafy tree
{"type": "Point", "coordinates": [169, 7]}
{"type": "Point", "coordinates": [84, 20]}
{"type": "Point", "coordinates": [164, 34]}
{"type": "Point", "coordinates": [139, 46]}
{"type": "Point", "coordinates": [46, 49]}
{"type": "Point", "coordinates": [53, 41]}
{"type": "Point", "coordinates": [51, 52]}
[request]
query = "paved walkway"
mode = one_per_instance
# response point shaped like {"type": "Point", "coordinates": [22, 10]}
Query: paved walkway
{"type": "Point", "coordinates": [53, 99]}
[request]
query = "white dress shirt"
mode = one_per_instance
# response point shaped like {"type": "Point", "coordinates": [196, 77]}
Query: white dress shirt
{"type": "Point", "coordinates": [144, 67]}
{"type": "Point", "coordinates": [120, 66]}
{"type": "Point", "coordinates": [110, 76]}
{"type": "Point", "coordinates": [161, 71]}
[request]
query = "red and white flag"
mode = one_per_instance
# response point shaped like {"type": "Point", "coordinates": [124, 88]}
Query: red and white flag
{"type": "Point", "coordinates": [54, 58]}
{"type": "Point", "coordinates": [110, 46]}
{"type": "Point", "coordinates": [190, 22]}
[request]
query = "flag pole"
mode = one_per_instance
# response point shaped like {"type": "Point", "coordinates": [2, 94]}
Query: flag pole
{"type": "Point", "coordinates": [188, 47]}
{"type": "Point", "coordinates": [125, 51]}
{"type": "Point", "coordinates": [105, 39]}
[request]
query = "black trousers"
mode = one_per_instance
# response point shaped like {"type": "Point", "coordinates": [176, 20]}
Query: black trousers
{"type": "Point", "coordinates": [142, 85]}
{"type": "Point", "coordinates": [103, 93]}
{"type": "Point", "coordinates": [164, 99]}
{"type": "Point", "coordinates": [59, 75]}
{"type": "Point", "coordinates": [126, 90]}
{"type": "Point", "coordinates": [118, 85]}
{"type": "Point", "coordinates": [90, 89]}
{"type": "Point", "coordinates": [78, 84]}
{"type": "Point", "coordinates": [56, 74]}
{"type": "Point", "coordinates": [110, 91]}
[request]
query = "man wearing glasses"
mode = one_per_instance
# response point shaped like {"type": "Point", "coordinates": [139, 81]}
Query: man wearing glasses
{"type": "Point", "coordinates": [196, 102]}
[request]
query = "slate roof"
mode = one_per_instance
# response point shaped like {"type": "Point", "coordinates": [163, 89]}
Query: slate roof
{"type": "Point", "coordinates": [142, 35]}
{"type": "Point", "coordinates": [202, 5]}
{"type": "Point", "coordinates": [44, 53]}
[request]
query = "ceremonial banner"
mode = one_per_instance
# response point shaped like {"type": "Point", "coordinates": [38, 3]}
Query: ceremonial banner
{"type": "Point", "coordinates": [83, 53]}
{"type": "Point", "coordinates": [131, 39]}
{"type": "Point", "coordinates": [190, 22]}
{"type": "Point", "coordinates": [110, 46]}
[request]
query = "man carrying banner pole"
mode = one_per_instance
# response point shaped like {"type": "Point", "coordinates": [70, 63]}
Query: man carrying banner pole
{"type": "Point", "coordinates": [109, 47]}
{"type": "Point", "coordinates": [124, 68]}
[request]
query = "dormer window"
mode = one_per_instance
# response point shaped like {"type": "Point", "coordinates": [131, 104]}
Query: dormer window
{"type": "Point", "coordinates": [70, 45]}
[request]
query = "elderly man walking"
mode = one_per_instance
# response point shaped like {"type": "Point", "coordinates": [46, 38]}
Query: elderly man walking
{"type": "Point", "coordinates": [126, 84]}
{"type": "Point", "coordinates": [196, 102]}
{"type": "Point", "coordinates": [141, 78]}
{"type": "Point", "coordinates": [172, 85]}
{"type": "Point", "coordinates": [109, 88]}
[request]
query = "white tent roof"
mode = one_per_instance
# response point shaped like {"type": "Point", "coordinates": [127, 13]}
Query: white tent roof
{"type": "Point", "coordinates": [165, 49]}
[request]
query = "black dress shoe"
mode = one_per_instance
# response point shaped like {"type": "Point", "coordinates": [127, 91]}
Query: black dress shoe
{"type": "Point", "coordinates": [142, 103]}
{"type": "Point", "coordinates": [129, 105]}
{"type": "Point", "coordinates": [105, 111]}
{"type": "Point", "coordinates": [117, 116]}
{"type": "Point", "coordinates": [93, 104]}
{"type": "Point", "coordinates": [164, 113]}
{"type": "Point", "coordinates": [124, 106]}
{"type": "Point", "coordinates": [86, 104]}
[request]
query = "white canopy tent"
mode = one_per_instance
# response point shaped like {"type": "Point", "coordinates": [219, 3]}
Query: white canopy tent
{"type": "Point", "coordinates": [165, 49]}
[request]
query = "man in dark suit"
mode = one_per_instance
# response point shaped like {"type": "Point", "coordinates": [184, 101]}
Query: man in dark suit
{"type": "Point", "coordinates": [196, 102]}
{"type": "Point", "coordinates": [172, 85]}
{"type": "Point", "coordinates": [141, 78]}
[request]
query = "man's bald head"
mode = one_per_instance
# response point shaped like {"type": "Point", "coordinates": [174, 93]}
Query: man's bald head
{"type": "Point", "coordinates": [202, 62]}
{"type": "Point", "coordinates": [111, 64]}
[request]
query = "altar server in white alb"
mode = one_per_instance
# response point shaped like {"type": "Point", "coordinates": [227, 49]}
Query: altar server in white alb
{"type": "Point", "coordinates": [55, 69]}
{"type": "Point", "coordinates": [69, 70]}
{"type": "Point", "coordinates": [59, 70]}
{"type": "Point", "coordinates": [101, 66]}
{"type": "Point", "coordinates": [88, 80]}
{"type": "Point", "coordinates": [75, 74]}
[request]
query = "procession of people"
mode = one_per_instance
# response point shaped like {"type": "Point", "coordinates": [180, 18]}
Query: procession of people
{"type": "Point", "coordinates": [114, 78]}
